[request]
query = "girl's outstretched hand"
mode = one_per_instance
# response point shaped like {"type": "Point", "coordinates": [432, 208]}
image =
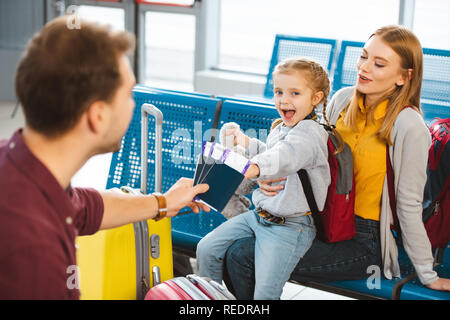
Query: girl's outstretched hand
{"type": "Point", "coordinates": [239, 137]}
{"type": "Point", "coordinates": [252, 171]}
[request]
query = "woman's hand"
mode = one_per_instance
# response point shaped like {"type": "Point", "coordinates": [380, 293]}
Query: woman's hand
{"type": "Point", "coordinates": [441, 284]}
{"type": "Point", "coordinates": [267, 188]}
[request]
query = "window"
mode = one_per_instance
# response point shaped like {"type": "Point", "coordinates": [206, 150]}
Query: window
{"type": "Point", "coordinates": [112, 16]}
{"type": "Point", "coordinates": [182, 3]}
{"type": "Point", "coordinates": [432, 23]}
{"type": "Point", "coordinates": [248, 27]}
{"type": "Point", "coordinates": [169, 50]}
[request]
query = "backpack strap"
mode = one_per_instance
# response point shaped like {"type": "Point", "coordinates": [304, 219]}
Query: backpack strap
{"type": "Point", "coordinates": [307, 189]}
{"type": "Point", "coordinates": [391, 190]}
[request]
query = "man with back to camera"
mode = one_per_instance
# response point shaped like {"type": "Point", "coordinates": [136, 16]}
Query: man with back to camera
{"type": "Point", "coordinates": [75, 87]}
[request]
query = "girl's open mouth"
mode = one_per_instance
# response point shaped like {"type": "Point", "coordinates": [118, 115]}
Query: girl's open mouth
{"type": "Point", "coordinates": [288, 114]}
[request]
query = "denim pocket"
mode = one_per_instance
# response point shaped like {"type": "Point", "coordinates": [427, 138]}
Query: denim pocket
{"type": "Point", "coordinates": [363, 235]}
{"type": "Point", "coordinates": [370, 239]}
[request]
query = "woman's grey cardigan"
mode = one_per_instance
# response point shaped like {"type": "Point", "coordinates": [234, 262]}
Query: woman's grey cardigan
{"type": "Point", "coordinates": [409, 155]}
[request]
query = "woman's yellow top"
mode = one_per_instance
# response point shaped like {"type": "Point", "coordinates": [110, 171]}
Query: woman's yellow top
{"type": "Point", "coordinates": [369, 159]}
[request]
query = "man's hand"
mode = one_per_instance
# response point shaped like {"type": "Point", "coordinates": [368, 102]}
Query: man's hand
{"type": "Point", "coordinates": [121, 208]}
{"type": "Point", "coordinates": [181, 194]}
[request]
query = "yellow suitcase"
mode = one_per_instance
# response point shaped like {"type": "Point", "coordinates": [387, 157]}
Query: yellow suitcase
{"type": "Point", "coordinates": [125, 262]}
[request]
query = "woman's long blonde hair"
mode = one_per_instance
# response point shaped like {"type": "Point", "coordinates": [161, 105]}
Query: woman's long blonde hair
{"type": "Point", "coordinates": [408, 47]}
{"type": "Point", "coordinates": [318, 81]}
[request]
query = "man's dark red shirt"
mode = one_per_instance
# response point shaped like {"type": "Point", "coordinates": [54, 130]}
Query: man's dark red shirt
{"type": "Point", "coordinates": [39, 222]}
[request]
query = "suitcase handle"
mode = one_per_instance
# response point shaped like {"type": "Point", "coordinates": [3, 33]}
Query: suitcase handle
{"type": "Point", "coordinates": [149, 109]}
{"type": "Point", "coordinates": [141, 228]}
{"type": "Point", "coordinates": [190, 288]}
{"type": "Point", "coordinates": [199, 281]}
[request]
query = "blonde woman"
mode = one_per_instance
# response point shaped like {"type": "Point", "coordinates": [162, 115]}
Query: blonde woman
{"type": "Point", "coordinates": [369, 116]}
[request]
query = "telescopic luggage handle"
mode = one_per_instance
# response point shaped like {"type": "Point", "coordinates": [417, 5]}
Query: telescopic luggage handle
{"type": "Point", "coordinates": [149, 109]}
{"type": "Point", "coordinates": [141, 228]}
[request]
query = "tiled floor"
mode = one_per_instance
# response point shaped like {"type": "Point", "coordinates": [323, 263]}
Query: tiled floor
{"type": "Point", "coordinates": [95, 174]}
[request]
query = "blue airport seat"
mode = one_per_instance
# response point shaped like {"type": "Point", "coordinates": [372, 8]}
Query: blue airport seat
{"type": "Point", "coordinates": [180, 111]}
{"type": "Point", "coordinates": [446, 258]}
{"type": "Point", "coordinates": [144, 87]}
{"type": "Point", "coordinates": [247, 99]}
{"type": "Point", "coordinates": [189, 229]}
{"type": "Point", "coordinates": [436, 75]}
{"type": "Point", "coordinates": [286, 46]}
{"type": "Point", "coordinates": [435, 94]}
{"type": "Point", "coordinates": [414, 290]}
{"type": "Point", "coordinates": [434, 109]}
{"type": "Point", "coordinates": [251, 117]}
{"type": "Point", "coordinates": [406, 288]}
{"type": "Point", "coordinates": [345, 73]}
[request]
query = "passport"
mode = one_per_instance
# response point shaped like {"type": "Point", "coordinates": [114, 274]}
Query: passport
{"type": "Point", "coordinates": [223, 170]}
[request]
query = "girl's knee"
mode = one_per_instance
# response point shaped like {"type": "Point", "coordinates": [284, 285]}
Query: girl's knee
{"type": "Point", "coordinates": [202, 248]}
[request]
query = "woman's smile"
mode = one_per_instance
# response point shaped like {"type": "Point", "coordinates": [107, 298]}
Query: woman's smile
{"type": "Point", "coordinates": [363, 80]}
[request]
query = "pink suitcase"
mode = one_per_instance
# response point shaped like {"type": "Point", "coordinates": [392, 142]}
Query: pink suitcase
{"type": "Point", "coordinates": [191, 287]}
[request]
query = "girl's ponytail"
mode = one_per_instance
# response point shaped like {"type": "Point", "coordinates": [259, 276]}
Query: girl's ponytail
{"type": "Point", "coordinates": [332, 128]}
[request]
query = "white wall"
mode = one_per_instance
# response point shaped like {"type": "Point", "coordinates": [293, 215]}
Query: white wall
{"type": "Point", "coordinates": [229, 83]}
{"type": "Point", "coordinates": [8, 62]}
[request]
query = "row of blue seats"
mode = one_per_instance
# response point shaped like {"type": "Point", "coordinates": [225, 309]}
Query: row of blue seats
{"type": "Point", "coordinates": [188, 120]}
{"type": "Point", "coordinates": [340, 59]}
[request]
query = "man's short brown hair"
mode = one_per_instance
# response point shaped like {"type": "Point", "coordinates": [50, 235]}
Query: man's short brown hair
{"type": "Point", "coordinates": [64, 70]}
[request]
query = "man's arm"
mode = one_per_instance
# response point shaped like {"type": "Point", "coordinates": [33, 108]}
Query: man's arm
{"type": "Point", "coordinates": [121, 208]}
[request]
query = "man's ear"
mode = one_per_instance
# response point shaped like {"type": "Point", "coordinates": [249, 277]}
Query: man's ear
{"type": "Point", "coordinates": [96, 116]}
{"type": "Point", "coordinates": [317, 97]}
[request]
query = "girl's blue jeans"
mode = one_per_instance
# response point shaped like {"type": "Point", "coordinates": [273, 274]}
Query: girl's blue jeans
{"type": "Point", "coordinates": [346, 260]}
{"type": "Point", "coordinates": [277, 249]}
